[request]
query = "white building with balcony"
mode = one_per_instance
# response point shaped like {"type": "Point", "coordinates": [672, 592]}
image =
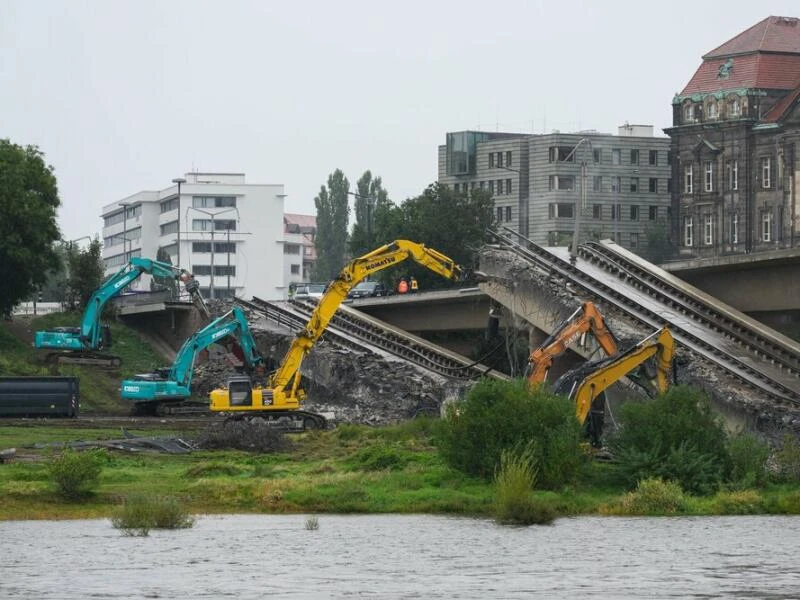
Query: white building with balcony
{"type": "Point", "coordinates": [228, 233]}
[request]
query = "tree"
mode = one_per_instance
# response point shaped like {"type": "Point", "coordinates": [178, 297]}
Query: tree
{"type": "Point", "coordinates": [451, 222]}
{"type": "Point", "coordinates": [333, 213]}
{"type": "Point", "coordinates": [164, 283]}
{"type": "Point", "coordinates": [85, 272]}
{"type": "Point", "coordinates": [370, 196]}
{"type": "Point", "coordinates": [28, 228]}
{"type": "Point", "coordinates": [659, 249]}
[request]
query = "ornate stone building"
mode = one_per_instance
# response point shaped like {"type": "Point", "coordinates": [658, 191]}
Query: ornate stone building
{"type": "Point", "coordinates": [734, 145]}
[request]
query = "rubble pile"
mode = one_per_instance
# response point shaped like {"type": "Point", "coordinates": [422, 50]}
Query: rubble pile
{"type": "Point", "coordinates": [355, 387]}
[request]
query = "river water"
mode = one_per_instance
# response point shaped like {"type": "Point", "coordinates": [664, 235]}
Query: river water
{"type": "Point", "coordinates": [394, 556]}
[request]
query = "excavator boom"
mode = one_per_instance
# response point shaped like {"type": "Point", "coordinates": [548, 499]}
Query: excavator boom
{"type": "Point", "coordinates": [80, 345]}
{"type": "Point", "coordinates": [282, 397]}
{"type": "Point", "coordinates": [586, 319]}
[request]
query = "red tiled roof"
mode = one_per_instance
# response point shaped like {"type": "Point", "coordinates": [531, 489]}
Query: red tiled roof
{"type": "Point", "coordinates": [783, 106]}
{"type": "Point", "coordinates": [762, 71]}
{"type": "Point", "coordinates": [301, 220]}
{"type": "Point", "coordinates": [773, 34]}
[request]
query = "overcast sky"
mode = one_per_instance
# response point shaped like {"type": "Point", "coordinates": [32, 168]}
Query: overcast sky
{"type": "Point", "coordinates": [123, 96]}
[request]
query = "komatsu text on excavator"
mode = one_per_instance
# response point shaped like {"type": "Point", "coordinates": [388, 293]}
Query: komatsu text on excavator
{"type": "Point", "coordinates": [82, 345]}
{"type": "Point", "coordinates": [280, 399]}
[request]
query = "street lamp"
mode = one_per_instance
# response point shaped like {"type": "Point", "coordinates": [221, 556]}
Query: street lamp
{"type": "Point", "coordinates": [573, 249]}
{"type": "Point", "coordinates": [213, 216]}
{"type": "Point", "coordinates": [179, 181]}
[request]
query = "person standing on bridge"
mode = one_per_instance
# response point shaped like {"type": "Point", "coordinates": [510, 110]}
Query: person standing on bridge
{"type": "Point", "coordinates": [402, 286]}
{"type": "Point", "coordinates": [414, 285]}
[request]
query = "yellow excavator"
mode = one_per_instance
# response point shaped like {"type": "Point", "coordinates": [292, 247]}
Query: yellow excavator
{"type": "Point", "coordinates": [586, 319]}
{"type": "Point", "coordinates": [280, 399]}
{"type": "Point", "coordinates": [586, 384]}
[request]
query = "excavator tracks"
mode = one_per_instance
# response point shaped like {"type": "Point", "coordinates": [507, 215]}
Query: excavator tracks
{"type": "Point", "coordinates": [754, 354]}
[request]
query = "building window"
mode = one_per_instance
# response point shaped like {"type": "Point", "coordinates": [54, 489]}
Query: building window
{"type": "Point", "coordinates": [491, 186]}
{"type": "Point", "coordinates": [213, 201]}
{"type": "Point", "coordinates": [687, 179]}
{"type": "Point", "coordinates": [733, 174]}
{"type": "Point", "coordinates": [634, 184]}
{"type": "Point", "coordinates": [653, 157]}
{"type": "Point", "coordinates": [499, 214]}
{"type": "Point", "coordinates": [653, 213]}
{"type": "Point", "coordinates": [688, 238]}
{"type": "Point", "coordinates": [456, 187]}
{"type": "Point", "coordinates": [508, 213]}
{"type": "Point", "coordinates": [483, 185]}
{"type": "Point", "coordinates": [562, 210]}
{"type": "Point", "coordinates": [634, 157]}
{"type": "Point", "coordinates": [708, 229]}
{"type": "Point", "coordinates": [508, 158]}
{"type": "Point", "coordinates": [295, 269]}
{"type": "Point", "coordinates": [669, 185]}
{"type": "Point", "coordinates": [598, 155]}
{"type": "Point", "coordinates": [168, 205]}
{"type": "Point", "coordinates": [634, 240]}
{"type": "Point", "coordinates": [616, 156]}
{"type": "Point", "coordinates": [711, 110]}
{"type": "Point", "coordinates": [597, 184]}
{"type": "Point", "coordinates": [688, 112]}
{"type": "Point", "coordinates": [709, 176]}
{"type": "Point", "coordinates": [634, 212]}
{"type": "Point", "coordinates": [291, 249]}
{"type": "Point", "coordinates": [653, 185]}
{"type": "Point", "coordinates": [597, 211]}
{"type": "Point", "coordinates": [766, 172]}
{"type": "Point", "coordinates": [616, 184]}
{"type": "Point", "coordinates": [561, 154]}
{"type": "Point", "coordinates": [508, 186]}
{"type": "Point", "coordinates": [735, 228]}
{"type": "Point", "coordinates": [472, 185]}
{"type": "Point", "coordinates": [562, 182]}
{"type": "Point", "coordinates": [735, 108]}
{"type": "Point", "coordinates": [491, 160]}
{"type": "Point", "coordinates": [171, 227]}
{"type": "Point", "coordinates": [201, 247]}
{"type": "Point", "coordinates": [499, 159]}
{"type": "Point", "coordinates": [766, 226]}
{"type": "Point", "coordinates": [616, 211]}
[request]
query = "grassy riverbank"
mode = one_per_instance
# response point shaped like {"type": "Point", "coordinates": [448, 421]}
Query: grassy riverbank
{"type": "Point", "coordinates": [352, 469]}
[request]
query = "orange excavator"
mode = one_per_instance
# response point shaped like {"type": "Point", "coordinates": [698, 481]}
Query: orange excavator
{"type": "Point", "coordinates": [586, 319]}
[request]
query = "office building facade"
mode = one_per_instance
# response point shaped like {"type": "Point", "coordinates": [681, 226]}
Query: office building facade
{"type": "Point", "coordinates": [228, 233]}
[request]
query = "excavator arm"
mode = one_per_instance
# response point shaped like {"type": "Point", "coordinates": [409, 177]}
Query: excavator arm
{"type": "Point", "coordinates": [176, 385]}
{"type": "Point", "coordinates": [283, 392]}
{"type": "Point", "coordinates": [91, 336]}
{"type": "Point", "coordinates": [355, 271]}
{"type": "Point", "coordinates": [596, 377]}
{"type": "Point", "coordinates": [586, 319]}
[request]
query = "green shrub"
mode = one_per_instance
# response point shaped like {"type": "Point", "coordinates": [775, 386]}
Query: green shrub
{"type": "Point", "coordinates": [379, 457]}
{"type": "Point", "coordinates": [675, 436]}
{"type": "Point", "coordinates": [787, 459]}
{"type": "Point", "coordinates": [654, 497]}
{"type": "Point", "coordinates": [741, 502]}
{"type": "Point", "coordinates": [75, 474]}
{"type": "Point", "coordinates": [749, 457]}
{"type": "Point", "coordinates": [514, 481]}
{"type": "Point", "coordinates": [496, 416]}
{"type": "Point", "coordinates": [140, 513]}
{"type": "Point", "coordinates": [783, 504]}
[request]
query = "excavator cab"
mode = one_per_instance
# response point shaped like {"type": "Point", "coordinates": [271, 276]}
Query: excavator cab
{"type": "Point", "coordinates": [240, 390]}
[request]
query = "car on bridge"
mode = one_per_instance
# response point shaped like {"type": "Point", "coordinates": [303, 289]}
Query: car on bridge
{"type": "Point", "coordinates": [309, 290]}
{"type": "Point", "coordinates": [368, 289]}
